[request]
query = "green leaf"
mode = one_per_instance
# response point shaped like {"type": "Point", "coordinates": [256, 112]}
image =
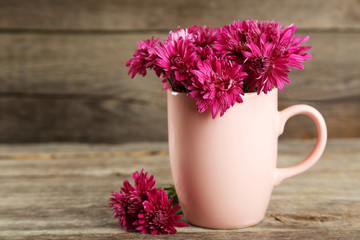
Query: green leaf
{"type": "Point", "coordinates": [171, 193]}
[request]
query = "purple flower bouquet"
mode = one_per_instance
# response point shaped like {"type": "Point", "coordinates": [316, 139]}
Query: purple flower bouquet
{"type": "Point", "coordinates": [217, 66]}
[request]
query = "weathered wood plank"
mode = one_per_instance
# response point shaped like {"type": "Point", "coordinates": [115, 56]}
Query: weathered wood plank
{"type": "Point", "coordinates": [34, 120]}
{"type": "Point", "coordinates": [307, 234]}
{"type": "Point", "coordinates": [93, 64]}
{"type": "Point", "coordinates": [114, 120]}
{"type": "Point", "coordinates": [341, 116]}
{"type": "Point", "coordinates": [78, 150]}
{"type": "Point", "coordinates": [75, 88]}
{"type": "Point", "coordinates": [57, 198]}
{"type": "Point", "coordinates": [153, 14]}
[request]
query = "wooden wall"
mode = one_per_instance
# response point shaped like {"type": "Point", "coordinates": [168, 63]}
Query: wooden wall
{"type": "Point", "coordinates": [62, 73]}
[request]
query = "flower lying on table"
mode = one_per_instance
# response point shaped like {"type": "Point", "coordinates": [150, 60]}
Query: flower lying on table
{"type": "Point", "coordinates": [144, 208]}
{"type": "Point", "coordinates": [217, 66]}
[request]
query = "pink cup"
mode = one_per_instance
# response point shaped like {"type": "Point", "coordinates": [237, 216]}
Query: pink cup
{"type": "Point", "coordinates": [224, 169]}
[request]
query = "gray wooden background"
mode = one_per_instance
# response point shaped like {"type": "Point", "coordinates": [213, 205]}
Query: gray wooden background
{"type": "Point", "coordinates": [62, 73]}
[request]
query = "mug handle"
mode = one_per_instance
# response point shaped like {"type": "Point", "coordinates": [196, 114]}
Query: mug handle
{"type": "Point", "coordinates": [283, 173]}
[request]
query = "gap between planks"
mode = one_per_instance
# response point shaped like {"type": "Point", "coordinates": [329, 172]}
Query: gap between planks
{"type": "Point", "coordinates": [44, 156]}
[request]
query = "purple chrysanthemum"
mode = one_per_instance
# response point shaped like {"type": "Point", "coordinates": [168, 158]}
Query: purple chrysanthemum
{"type": "Point", "coordinates": [203, 36]}
{"type": "Point", "coordinates": [268, 60]}
{"type": "Point", "coordinates": [264, 50]}
{"type": "Point", "coordinates": [231, 40]}
{"type": "Point", "coordinates": [217, 85]}
{"type": "Point", "coordinates": [128, 203]}
{"type": "Point", "coordinates": [264, 68]}
{"type": "Point", "coordinates": [270, 29]}
{"type": "Point", "coordinates": [203, 39]}
{"type": "Point", "coordinates": [144, 208]}
{"type": "Point", "coordinates": [144, 57]}
{"type": "Point", "coordinates": [289, 47]}
{"type": "Point", "coordinates": [177, 59]}
{"type": "Point", "coordinates": [159, 216]}
{"type": "Point", "coordinates": [174, 36]}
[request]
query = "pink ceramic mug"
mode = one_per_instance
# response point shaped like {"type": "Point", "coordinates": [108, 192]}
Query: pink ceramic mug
{"type": "Point", "coordinates": [224, 169]}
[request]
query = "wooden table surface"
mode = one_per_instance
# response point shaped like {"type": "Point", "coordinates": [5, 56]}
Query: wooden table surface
{"type": "Point", "coordinates": [57, 191]}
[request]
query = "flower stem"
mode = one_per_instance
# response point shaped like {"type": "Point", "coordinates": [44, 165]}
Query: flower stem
{"type": "Point", "coordinates": [170, 82]}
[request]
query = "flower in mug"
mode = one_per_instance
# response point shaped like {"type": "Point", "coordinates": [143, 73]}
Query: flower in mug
{"type": "Point", "coordinates": [134, 207]}
{"type": "Point", "coordinates": [264, 68]}
{"type": "Point", "coordinates": [270, 29]}
{"type": "Point", "coordinates": [217, 85]}
{"type": "Point", "coordinates": [289, 47]}
{"type": "Point", "coordinates": [264, 50]}
{"type": "Point", "coordinates": [231, 40]}
{"type": "Point", "coordinates": [203, 36]}
{"type": "Point", "coordinates": [144, 57]}
{"type": "Point", "coordinates": [159, 215]}
{"type": "Point", "coordinates": [268, 60]}
{"type": "Point", "coordinates": [203, 40]}
{"type": "Point", "coordinates": [179, 33]}
{"type": "Point", "coordinates": [176, 58]}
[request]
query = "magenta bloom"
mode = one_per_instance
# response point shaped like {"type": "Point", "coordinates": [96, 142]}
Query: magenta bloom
{"type": "Point", "coordinates": [217, 85]}
{"type": "Point", "coordinates": [215, 66]}
{"type": "Point", "coordinates": [203, 36]}
{"type": "Point", "coordinates": [126, 206]}
{"type": "Point", "coordinates": [289, 47]}
{"type": "Point", "coordinates": [232, 39]}
{"type": "Point", "coordinates": [180, 33]}
{"type": "Point", "coordinates": [144, 57]}
{"type": "Point", "coordinates": [199, 36]}
{"type": "Point", "coordinates": [265, 69]}
{"type": "Point", "coordinates": [159, 215]}
{"type": "Point", "coordinates": [177, 59]}
{"type": "Point", "coordinates": [128, 203]}
{"type": "Point", "coordinates": [203, 39]}
{"type": "Point", "coordinates": [144, 208]}
{"type": "Point", "coordinates": [268, 60]}
{"type": "Point", "coordinates": [271, 30]}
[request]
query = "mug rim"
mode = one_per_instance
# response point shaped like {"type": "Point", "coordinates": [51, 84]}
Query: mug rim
{"type": "Point", "coordinates": [245, 95]}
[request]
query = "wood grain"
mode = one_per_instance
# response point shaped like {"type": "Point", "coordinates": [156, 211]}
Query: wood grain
{"type": "Point", "coordinates": [130, 15]}
{"type": "Point", "coordinates": [64, 193]}
{"type": "Point", "coordinates": [113, 120]}
{"type": "Point", "coordinates": [62, 74]}
{"type": "Point", "coordinates": [71, 87]}
{"type": "Point", "coordinates": [94, 64]}
{"type": "Point", "coordinates": [36, 120]}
